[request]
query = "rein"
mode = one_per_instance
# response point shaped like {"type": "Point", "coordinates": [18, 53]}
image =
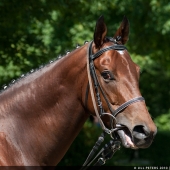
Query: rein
{"type": "Point", "coordinates": [109, 149]}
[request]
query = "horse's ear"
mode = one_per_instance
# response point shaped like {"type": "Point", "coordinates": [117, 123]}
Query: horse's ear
{"type": "Point", "coordinates": [122, 34]}
{"type": "Point", "coordinates": [100, 32]}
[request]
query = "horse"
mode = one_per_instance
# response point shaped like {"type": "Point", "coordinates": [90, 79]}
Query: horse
{"type": "Point", "coordinates": [42, 113]}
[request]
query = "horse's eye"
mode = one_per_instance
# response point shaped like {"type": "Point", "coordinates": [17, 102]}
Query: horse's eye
{"type": "Point", "coordinates": [107, 75]}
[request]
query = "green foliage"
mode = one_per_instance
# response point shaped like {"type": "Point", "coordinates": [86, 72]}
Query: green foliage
{"type": "Point", "coordinates": [33, 32]}
{"type": "Point", "coordinates": [163, 122]}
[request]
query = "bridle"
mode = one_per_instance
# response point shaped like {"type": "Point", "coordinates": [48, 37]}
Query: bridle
{"type": "Point", "coordinates": [93, 81]}
{"type": "Point", "coordinates": [92, 77]}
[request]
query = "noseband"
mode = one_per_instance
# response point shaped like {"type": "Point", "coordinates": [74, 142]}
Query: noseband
{"type": "Point", "coordinates": [93, 77]}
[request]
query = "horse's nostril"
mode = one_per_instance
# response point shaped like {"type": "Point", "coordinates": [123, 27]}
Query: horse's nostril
{"type": "Point", "coordinates": [142, 136]}
{"type": "Point", "coordinates": [146, 131]}
{"type": "Point", "coordinates": [141, 132]}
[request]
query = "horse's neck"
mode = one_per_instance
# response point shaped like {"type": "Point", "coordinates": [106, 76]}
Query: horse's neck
{"type": "Point", "coordinates": [48, 113]}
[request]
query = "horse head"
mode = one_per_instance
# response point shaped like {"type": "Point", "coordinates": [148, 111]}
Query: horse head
{"type": "Point", "coordinates": [118, 78]}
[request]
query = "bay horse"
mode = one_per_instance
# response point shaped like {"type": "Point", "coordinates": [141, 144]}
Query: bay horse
{"type": "Point", "coordinates": [43, 112]}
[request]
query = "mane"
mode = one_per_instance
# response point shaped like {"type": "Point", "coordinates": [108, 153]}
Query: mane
{"type": "Point", "coordinates": [33, 71]}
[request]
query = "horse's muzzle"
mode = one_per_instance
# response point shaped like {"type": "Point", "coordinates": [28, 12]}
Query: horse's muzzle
{"type": "Point", "coordinates": [139, 137]}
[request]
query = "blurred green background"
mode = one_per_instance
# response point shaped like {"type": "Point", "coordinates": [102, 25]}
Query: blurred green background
{"type": "Point", "coordinates": [34, 32]}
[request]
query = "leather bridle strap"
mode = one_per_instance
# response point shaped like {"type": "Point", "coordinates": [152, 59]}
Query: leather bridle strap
{"type": "Point", "coordinates": [100, 52]}
{"type": "Point", "coordinates": [87, 93]}
{"type": "Point", "coordinates": [91, 91]}
{"type": "Point", "coordinates": [126, 104]}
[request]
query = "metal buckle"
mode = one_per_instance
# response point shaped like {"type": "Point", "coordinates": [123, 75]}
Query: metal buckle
{"type": "Point", "coordinates": [101, 161]}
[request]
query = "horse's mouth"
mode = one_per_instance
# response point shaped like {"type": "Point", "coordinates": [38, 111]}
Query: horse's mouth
{"type": "Point", "coordinates": [126, 138]}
